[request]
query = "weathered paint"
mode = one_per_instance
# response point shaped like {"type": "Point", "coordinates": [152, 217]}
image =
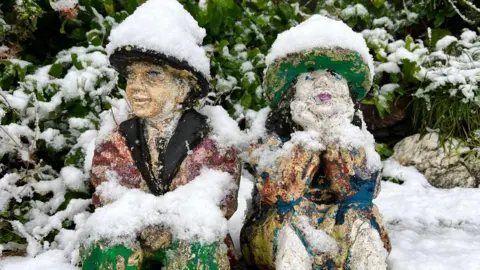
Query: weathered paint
{"type": "Point", "coordinates": [178, 255]}
{"type": "Point", "coordinates": [347, 63]}
{"type": "Point", "coordinates": [341, 173]}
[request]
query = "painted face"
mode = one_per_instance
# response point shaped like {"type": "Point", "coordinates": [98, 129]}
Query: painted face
{"type": "Point", "coordinates": [320, 95]}
{"type": "Point", "coordinates": [153, 89]}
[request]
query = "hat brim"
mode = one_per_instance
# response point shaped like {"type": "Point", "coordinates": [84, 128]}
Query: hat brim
{"type": "Point", "coordinates": [349, 64]}
{"type": "Point", "coordinates": [125, 56]}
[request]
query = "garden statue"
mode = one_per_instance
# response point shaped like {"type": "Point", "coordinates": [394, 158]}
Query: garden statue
{"type": "Point", "coordinates": [167, 143]}
{"type": "Point", "coordinates": [317, 171]}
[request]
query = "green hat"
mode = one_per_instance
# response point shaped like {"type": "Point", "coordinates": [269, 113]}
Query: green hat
{"type": "Point", "coordinates": [345, 62]}
{"type": "Point", "coordinates": [318, 43]}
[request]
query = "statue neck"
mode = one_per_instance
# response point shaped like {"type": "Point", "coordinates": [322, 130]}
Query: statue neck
{"type": "Point", "coordinates": [161, 121]}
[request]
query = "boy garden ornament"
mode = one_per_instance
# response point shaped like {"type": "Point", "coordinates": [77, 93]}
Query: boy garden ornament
{"type": "Point", "coordinates": [165, 146]}
{"type": "Point", "coordinates": [317, 171]}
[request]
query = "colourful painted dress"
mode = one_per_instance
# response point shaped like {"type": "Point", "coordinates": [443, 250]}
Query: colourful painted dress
{"type": "Point", "coordinates": [332, 189]}
{"type": "Point", "coordinates": [190, 148]}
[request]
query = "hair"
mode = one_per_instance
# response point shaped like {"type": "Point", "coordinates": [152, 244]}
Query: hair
{"type": "Point", "coordinates": [280, 122]}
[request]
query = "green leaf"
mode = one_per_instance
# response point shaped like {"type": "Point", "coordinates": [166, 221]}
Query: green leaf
{"type": "Point", "coordinates": [381, 110]}
{"type": "Point", "coordinates": [368, 101]}
{"type": "Point", "coordinates": [439, 19]}
{"type": "Point", "coordinates": [131, 5]}
{"type": "Point", "coordinates": [56, 70]}
{"type": "Point", "coordinates": [94, 38]}
{"type": "Point", "coordinates": [78, 34]}
{"type": "Point", "coordinates": [408, 43]}
{"type": "Point", "coordinates": [246, 100]}
{"type": "Point", "coordinates": [409, 70]}
{"type": "Point", "coordinates": [437, 34]}
{"type": "Point", "coordinates": [75, 61]}
{"type": "Point", "coordinates": [109, 7]}
{"type": "Point", "coordinates": [378, 3]}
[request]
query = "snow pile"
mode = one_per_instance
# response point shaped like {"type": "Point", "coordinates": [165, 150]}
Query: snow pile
{"type": "Point", "coordinates": [429, 228]}
{"type": "Point", "coordinates": [52, 260]}
{"type": "Point", "coordinates": [59, 5]}
{"type": "Point", "coordinates": [322, 32]}
{"type": "Point", "coordinates": [191, 212]}
{"type": "Point", "coordinates": [163, 26]}
{"type": "Point", "coordinates": [225, 130]}
{"type": "Point", "coordinates": [354, 10]}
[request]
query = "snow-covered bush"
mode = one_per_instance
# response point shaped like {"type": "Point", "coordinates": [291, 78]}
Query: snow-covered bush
{"type": "Point", "coordinates": [426, 50]}
{"type": "Point", "coordinates": [51, 116]}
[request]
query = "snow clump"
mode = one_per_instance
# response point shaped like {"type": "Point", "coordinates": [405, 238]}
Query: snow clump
{"type": "Point", "coordinates": [190, 212]}
{"type": "Point", "coordinates": [319, 31]}
{"type": "Point", "coordinates": [163, 26]}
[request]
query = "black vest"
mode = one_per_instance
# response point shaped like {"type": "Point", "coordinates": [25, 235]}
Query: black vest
{"type": "Point", "coordinates": [191, 129]}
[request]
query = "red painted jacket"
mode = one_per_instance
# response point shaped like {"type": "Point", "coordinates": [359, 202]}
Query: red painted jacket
{"type": "Point", "coordinates": [125, 153]}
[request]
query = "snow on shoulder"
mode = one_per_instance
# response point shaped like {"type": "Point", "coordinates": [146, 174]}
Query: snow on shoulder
{"type": "Point", "coordinates": [163, 26]}
{"type": "Point", "coordinates": [319, 31]}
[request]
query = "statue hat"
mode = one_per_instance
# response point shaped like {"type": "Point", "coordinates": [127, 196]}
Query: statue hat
{"type": "Point", "coordinates": [161, 32]}
{"type": "Point", "coordinates": [319, 43]}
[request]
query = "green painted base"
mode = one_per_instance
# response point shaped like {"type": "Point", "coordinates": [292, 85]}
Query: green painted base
{"type": "Point", "coordinates": [179, 255]}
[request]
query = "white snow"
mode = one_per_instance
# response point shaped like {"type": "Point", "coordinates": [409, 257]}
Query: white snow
{"type": "Point", "coordinates": [74, 178]}
{"type": "Point", "coordinates": [429, 228]}
{"type": "Point", "coordinates": [63, 4]}
{"type": "Point", "coordinates": [53, 138]}
{"type": "Point", "coordinates": [163, 26]}
{"type": "Point", "coordinates": [388, 88]}
{"type": "Point", "coordinates": [226, 131]}
{"type": "Point", "coordinates": [246, 66]}
{"type": "Point", "coordinates": [355, 10]}
{"type": "Point", "coordinates": [235, 223]}
{"type": "Point", "coordinates": [291, 253]}
{"type": "Point", "coordinates": [319, 31]}
{"type": "Point", "coordinates": [445, 42]}
{"type": "Point", "coordinates": [389, 67]}
{"type": "Point", "coordinates": [52, 260]}
{"type": "Point", "coordinates": [318, 240]}
{"type": "Point", "coordinates": [195, 217]}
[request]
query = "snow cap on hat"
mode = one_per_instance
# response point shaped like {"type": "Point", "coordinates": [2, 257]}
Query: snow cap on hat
{"type": "Point", "coordinates": [316, 44]}
{"type": "Point", "coordinates": [163, 30]}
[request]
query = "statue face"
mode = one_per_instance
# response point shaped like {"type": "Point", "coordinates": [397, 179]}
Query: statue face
{"type": "Point", "coordinates": [320, 95]}
{"type": "Point", "coordinates": [153, 89]}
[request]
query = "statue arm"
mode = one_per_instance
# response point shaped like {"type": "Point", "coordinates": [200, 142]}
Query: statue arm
{"type": "Point", "coordinates": [112, 161]}
{"type": "Point", "coordinates": [282, 175]}
{"type": "Point", "coordinates": [213, 156]}
{"type": "Point", "coordinates": [344, 166]}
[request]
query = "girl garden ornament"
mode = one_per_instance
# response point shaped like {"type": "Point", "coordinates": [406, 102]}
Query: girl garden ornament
{"type": "Point", "coordinates": [317, 172]}
{"type": "Point", "coordinates": [159, 151]}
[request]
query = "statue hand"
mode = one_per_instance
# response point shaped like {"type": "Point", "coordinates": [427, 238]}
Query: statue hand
{"type": "Point", "coordinates": [155, 237]}
{"type": "Point", "coordinates": [288, 181]}
{"type": "Point", "coordinates": [340, 165]}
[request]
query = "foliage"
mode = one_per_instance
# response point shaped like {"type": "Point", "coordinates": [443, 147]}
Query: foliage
{"type": "Point", "coordinates": [58, 95]}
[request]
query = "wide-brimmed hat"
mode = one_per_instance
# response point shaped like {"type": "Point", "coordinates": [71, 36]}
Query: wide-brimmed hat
{"type": "Point", "coordinates": [318, 43]}
{"type": "Point", "coordinates": [160, 32]}
{"type": "Point", "coordinates": [123, 57]}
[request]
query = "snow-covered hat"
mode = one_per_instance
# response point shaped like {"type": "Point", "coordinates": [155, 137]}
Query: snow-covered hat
{"type": "Point", "coordinates": [316, 44]}
{"type": "Point", "coordinates": [160, 31]}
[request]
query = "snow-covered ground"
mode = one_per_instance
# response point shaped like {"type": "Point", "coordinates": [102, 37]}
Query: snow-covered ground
{"type": "Point", "coordinates": [429, 228]}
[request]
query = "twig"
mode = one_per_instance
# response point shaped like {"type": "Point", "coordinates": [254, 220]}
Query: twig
{"type": "Point", "coordinates": [6, 132]}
